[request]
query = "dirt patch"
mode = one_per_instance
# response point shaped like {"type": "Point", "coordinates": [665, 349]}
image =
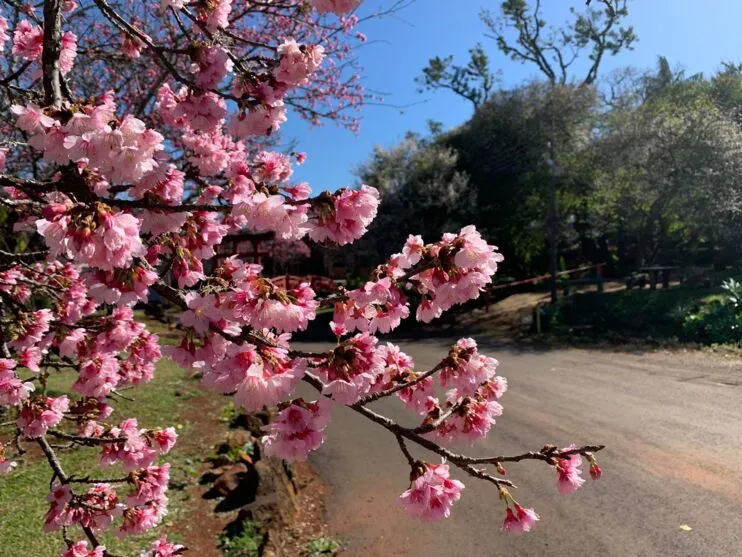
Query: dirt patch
{"type": "Point", "coordinates": [200, 526]}
{"type": "Point", "coordinates": [309, 519]}
{"type": "Point", "coordinates": [287, 502]}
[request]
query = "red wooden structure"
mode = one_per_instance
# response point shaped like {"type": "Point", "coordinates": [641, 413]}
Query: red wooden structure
{"type": "Point", "coordinates": [318, 283]}
{"type": "Point", "coordinates": [246, 246]}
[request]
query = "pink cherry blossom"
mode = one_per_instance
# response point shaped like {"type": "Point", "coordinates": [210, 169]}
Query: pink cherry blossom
{"type": "Point", "coordinates": [377, 306]}
{"type": "Point", "coordinates": [201, 312]}
{"type": "Point", "coordinates": [80, 549]}
{"type": "Point", "coordinates": [432, 494]}
{"type": "Point", "coordinates": [40, 413]}
{"type": "Point", "coordinates": [595, 471]}
{"type": "Point", "coordinates": [3, 32]}
{"type": "Point", "coordinates": [297, 430]}
{"type": "Point", "coordinates": [31, 118]}
{"type": "Point", "coordinates": [150, 484]}
{"type": "Point", "coordinates": [257, 377]}
{"type": "Point", "coordinates": [216, 15]}
{"type": "Point", "coordinates": [352, 369]}
{"type": "Point", "coordinates": [30, 358]}
{"type": "Point", "coordinates": [32, 327]}
{"type": "Point", "coordinates": [13, 391]}
{"type": "Point", "coordinates": [68, 52]}
{"type": "Point", "coordinates": [471, 422]}
{"type": "Point", "coordinates": [6, 466]}
{"type": "Point", "coordinates": [262, 120]}
{"type": "Point", "coordinates": [472, 368]}
{"type": "Point", "coordinates": [272, 167]}
{"type": "Point", "coordinates": [569, 478]}
{"type": "Point", "coordinates": [163, 548]}
{"type": "Point", "coordinates": [132, 47]}
{"type": "Point", "coordinates": [98, 376]}
{"type": "Point", "coordinates": [346, 216]}
{"type": "Point", "coordinates": [265, 212]}
{"type": "Point", "coordinates": [212, 64]}
{"type": "Point", "coordinates": [28, 40]}
{"type": "Point", "coordinates": [522, 520]}
{"type": "Point", "coordinates": [163, 439]}
{"type": "Point", "coordinates": [297, 63]}
{"type": "Point", "coordinates": [175, 4]}
{"type": "Point", "coordinates": [338, 7]}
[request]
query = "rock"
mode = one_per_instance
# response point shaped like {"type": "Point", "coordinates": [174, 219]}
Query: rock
{"type": "Point", "coordinates": [230, 479]}
{"type": "Point", "coordinates": [239, 438]}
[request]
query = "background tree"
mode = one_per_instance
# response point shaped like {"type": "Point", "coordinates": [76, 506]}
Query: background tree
{"type": "Point", "coordinates": [522, 34]}
{"type": "Point", "coordinates": [422, 187]}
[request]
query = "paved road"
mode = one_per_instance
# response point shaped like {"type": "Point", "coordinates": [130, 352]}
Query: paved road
{"type": "Point", "coordinates": [673, 426]}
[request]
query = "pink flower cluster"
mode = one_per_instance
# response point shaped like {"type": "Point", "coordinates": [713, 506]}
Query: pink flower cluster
{"type": "Point", "coordinates": [376, 306]}
{"type": "Point", "coordinates": [40, 413]}
{"type": "Point", "coordinates": [6, 465]}
{"type": "Point", "coordinates": [163, 548]}
{"type": "Point", "coordinates": [464, 265]}
{"type": "Point", "coordinates": [298, 430]}
{"type": "Point", "coordinates": [466, 369]}
{"type": "Point", "coordinates": [80, 549]}
{"type": "Point", "coordinates": [95, 509]}
{"type": "Point", "coordinates": [147, 504]}
{"type": "Point", "coordinates": [13, 391]}
{"type": "Point", "coordinates": [259, 376]}
{"type": "Point", "coordinates": [138, 448]}
{"type": "Point", "coordinates": [351, 369]}
{"type": "Point", "coordinates": [346, 215]}
{"type": "Point", "coordinates": [212, 64]}
{"type": "Point", "coordinates": [297, 63]}
{"type": "Point", "coordinates": [432, 493]}
{"type": "Point", "coordinates": [338, 7]}
{"type": "Point", "coordinates": [260, 304]}
{"type": "Point", "coordinates": [104, 239]}
{"type": "Point", "coordinates": [3, 32]}
{"type": "Point", "coordinates": [124, 152]}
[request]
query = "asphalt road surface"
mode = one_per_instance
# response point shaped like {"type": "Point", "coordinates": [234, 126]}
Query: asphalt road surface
{"type": "Point", "coordinates": [673, 426]}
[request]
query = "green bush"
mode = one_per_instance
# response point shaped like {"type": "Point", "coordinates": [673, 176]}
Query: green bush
{"type": "Point", "coordinates": [322, 547]}
{"type": "Point", "coordinates": [718, 321]}
{"type": "Point", "coordinates": [247, 543]}
{"type": "Point", "coordinates": [694, 315]}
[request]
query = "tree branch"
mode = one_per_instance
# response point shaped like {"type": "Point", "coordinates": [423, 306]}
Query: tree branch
{"type": "Point", "coordinates": [50, 54]}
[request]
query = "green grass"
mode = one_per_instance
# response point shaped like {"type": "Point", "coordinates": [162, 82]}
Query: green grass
{"type": "Point", "coordinates": [23, 493]}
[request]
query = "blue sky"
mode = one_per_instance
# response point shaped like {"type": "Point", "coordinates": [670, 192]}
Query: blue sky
{"type": "Point", "coordinates": [694, 35]}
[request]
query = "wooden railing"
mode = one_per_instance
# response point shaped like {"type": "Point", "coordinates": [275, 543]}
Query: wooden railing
{"type": "Point", "coordinates": [535, 280]}
{"type": "Point", "coordinates": [317, 282]}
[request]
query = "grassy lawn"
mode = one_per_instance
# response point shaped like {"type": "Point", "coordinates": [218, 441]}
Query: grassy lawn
{"type": "Point", "coordinates": [163, 402]}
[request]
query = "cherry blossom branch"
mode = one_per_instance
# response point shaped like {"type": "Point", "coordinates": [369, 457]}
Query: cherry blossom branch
{"type": "Point", "coordinates": [90, 441]}
{"type": "Point", "coordinates": [128, 29]}
{"type": "Point", "coordinates": [549, 454]}
{"type": "Point", "coordinates": [88, 480]}
{"type": "Point", "coordinates": [388, 392]}
{"type": "Point", "coordinates": [403, 447]}
{"type": "Point", "coordinates": [51, 456]}
{"type": "Point", "coordinates": [51, 52]}
{"type": "Point", "coordinates": [56, 466]}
